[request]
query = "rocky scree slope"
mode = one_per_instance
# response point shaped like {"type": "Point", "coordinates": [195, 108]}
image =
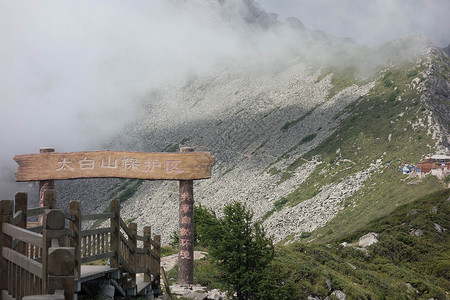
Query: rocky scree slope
{"type": "Point", "coordinates": [296, 139]}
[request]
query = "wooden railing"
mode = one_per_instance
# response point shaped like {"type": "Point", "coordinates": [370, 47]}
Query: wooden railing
{"type": "Point", "coordinates": [34, 260]}
{"type": "Point", "coordinates": [33, 263]}
{"type": "Point", "coordinates": [118, 242]}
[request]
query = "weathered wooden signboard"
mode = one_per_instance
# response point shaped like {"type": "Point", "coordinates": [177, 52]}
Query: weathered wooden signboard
{"type": "Point", "coordinates": [101, 164]}
{"type": "Point", "coordinates": [185, 167]}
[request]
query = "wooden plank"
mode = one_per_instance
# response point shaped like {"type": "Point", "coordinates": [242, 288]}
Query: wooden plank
{"type": "Point", "coordinates": [114, 164]}
{"type": "Point", "coordinates": [97, 216]}
{"type": "Point", "coordinates": [96, 231]}
{"type": "Point", "coordinates": [37, 229]}
{"type": "Point", "coordinates": [166, 283]}
{"type": "Point", "coordinates": [36, 211]}
{"type": "Point", "coordinates": [22, 261]}
{"type": "Point", "coordinates": [17, 217]}
{"type": "Point", "coordinates": [142, 238]}
{"type": "Point", "coordinates": [23, 234]}
{"type": "Point", "coordinates": [142, 270]}
{"type": "Point", "coordinates": [125, 228]}
{"type": "Point", "coordinates": [142, 251]}
{"type": "Point", "coordinates": [126, 266]}
{"type": "Point", "coordinates": [125, 241]}
{"type": "Point", "coordinates": [97, 257]}
{"type": "Point", "coordinates": [7, 296]}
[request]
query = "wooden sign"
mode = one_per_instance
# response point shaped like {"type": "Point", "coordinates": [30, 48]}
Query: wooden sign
{"type": "Point", "coordinates": [101, 164]}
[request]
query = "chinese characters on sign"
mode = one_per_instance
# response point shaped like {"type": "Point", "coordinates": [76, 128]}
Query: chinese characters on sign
{"type": "Point", "coordinates": [114, 164]}
{"type": "Point", "coordinates": [128, 163]}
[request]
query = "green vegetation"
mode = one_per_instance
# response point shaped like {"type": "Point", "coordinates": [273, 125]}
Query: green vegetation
{"type": "Point", "coordinates": [342, 80]}
{"type": "Point", "coordinates": [379, 126]}
{"type": "Point", "coordinates": [402, 265]}
{"type": "Point", "coordinates": [242, 252]}
{"type": "Point", "coordinates": [239, 252]}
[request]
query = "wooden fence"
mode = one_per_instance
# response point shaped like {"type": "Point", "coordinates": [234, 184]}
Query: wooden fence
{"type": "Point", "coordinates": [33, 263]}
{"type": "Point", "coordinates": [36, 261]}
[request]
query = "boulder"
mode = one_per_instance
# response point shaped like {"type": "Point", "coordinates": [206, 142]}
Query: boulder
{"type": "Point", "coordinates": [368, 239]}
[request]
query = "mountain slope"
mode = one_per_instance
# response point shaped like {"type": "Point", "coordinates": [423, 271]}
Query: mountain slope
{"type": "Point", "coordinates": [409, 259]}
{"type": "Point", "coordinates": [302, 131]}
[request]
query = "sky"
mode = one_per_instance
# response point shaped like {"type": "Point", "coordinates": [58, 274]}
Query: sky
{"type": "Point", "coordinates": [73, 72]}
{"type": "Point", "coordinates": [370, 22]}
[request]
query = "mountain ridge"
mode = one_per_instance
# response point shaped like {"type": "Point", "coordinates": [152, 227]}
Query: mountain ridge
{"type": "Point", "coordinates": [273, 117]}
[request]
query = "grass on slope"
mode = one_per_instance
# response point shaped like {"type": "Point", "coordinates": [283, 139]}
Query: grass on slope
{"type": "Point", "coordinates": [402, 265]}
{"type": "Point", "coordinates": [389, 125]}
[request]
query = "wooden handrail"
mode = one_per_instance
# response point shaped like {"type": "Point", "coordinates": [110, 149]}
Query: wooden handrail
{"type": "Point", "coordinates": [97, 216]}
{"type": "Point", "coordinates": [125, 228]}
{"type": "Point", "coordinates": [36, 229]}
{"type": "Point", "coordinates": [23, 235]}
{"type": "Point", "coordinates": [125, 241]}
{"type": "Point", "coordinates": [142, 238]}
{"type": "Point", "coordinates": [17, 217]}
{"type": "Point", "coordinates": [36, 211]}
{"type": "Point", "coordinates": [22, 261]}
{"type": "Point", "coordinates": [127, 267]}
{"type": "Point", "coordinates": [96, 231]}
{"type": "Point", "coordinates": [97, 257]}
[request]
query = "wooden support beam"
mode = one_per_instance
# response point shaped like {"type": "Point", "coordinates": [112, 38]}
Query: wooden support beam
{"type": "Point", "coordinates": [75, 241]}
{"type": "Point", "coordinates": [186, 225]}
{"type": "Point", "coordinates": [147, 246]}
{"type": "Point", "coordinates": [115, 235]}
{"type": "Point", "coordinates": [44, 184]}
{"type": "Point", "coordinates": [132, 259]}
{"type": "Point", "coordinates": [21, 205]}
{"type": "Point", "coordinates": [6, 213]}
{"type": "Point", "coordinates": [156, 284]}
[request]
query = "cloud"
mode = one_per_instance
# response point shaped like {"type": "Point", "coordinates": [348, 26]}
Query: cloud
{"type": "Point", "coordinates": [370, 22]}
{"type": "Point", "coordinates": [74, 72]}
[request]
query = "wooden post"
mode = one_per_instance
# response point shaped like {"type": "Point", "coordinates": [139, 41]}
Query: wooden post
{"type": "Point", "coordinates": [75, 242]}
{"type": "Point", "coordinates": [50, 199]}
{"type": "Point", "coordinates": [115, 235]}
{"type": "Point", "coordinates": [148, 246]}
{"type": "Point", "coordinates": [44, 184]}
{"type": "Point", "coordinates": [61, 270]}
{"type": "Point", "coordinates": [21, 204]}
{"type": "Point", "coordinates": [6, 214]}
{"type": "Point", "coordinates": [186, 225]}
{"type": "Point", "coordinates": [132, 258]}
{"type": "Point", "coordinates": [53, 228]}
{"type": "Point", "coordinates": [156, 286]}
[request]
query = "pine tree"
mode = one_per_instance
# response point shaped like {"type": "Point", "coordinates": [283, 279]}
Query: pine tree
{"type": "Point", "coordinates": [242, 252]}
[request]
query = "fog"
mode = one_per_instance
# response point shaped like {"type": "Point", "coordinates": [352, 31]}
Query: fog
{"type": "Point", "coordinates": [370, 22]}
{"type": "Point", "coordinates": [74, 72]}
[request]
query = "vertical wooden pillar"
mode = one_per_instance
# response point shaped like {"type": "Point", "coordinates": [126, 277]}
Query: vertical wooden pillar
{"type": "Point", "coordinates": [61, 271]}
{"type": "Point", "coordinates": [156, 286]}
{"type": "Point", "coordinates": [115, 235]}
{"type": "Point", "coordinates": [44, 184]}
{"type": "Point", "coordinates": [53, 228]}
{"type": "Point", "coordinates": [50, 199]}
{"type": "Point", "coordinates": [21, 204]}
{"type": "Point", "coordinates": [6, 214]}
{"type": "Point", "coordinates": [186, 225]}
{"type": "Point", "coordinates": [148, 247]}
{"type": "Point", "coordinates": [132, 259]}
{"type": "Point", "coordinates": [75, 242]}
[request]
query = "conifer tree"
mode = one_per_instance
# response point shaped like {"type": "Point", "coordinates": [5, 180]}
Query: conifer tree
{"type": "Point", "coordinates": [242, 252]}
